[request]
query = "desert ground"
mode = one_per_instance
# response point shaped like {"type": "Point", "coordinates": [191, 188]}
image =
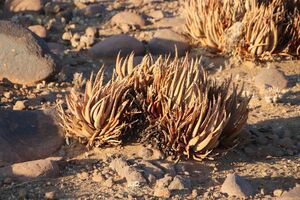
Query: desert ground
{"type": "Point", "coordinates": [267, 156]}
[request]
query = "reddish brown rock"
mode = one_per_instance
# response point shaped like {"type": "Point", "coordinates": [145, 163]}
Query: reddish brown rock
{"type": "Point", "coordinates": [37, 169]}
{"type": "Point", "coordinates": [28, 135]}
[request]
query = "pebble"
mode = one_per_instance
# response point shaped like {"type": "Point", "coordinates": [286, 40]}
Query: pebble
{"type": "Point", "coordinates": [98, 178]}
{"type": "Point", "coordinates": [39, 30]}
{"type": "Point", "coordinates": [109, 182]}
{"type": "Point", "coordinates": [83, 176]}
{"type": "Point", "coordinates": [50, 195]}
{"type": "Point", "coordinates": [162, 192]}
{"type": "Point", "coordinates": [277, 192]}
{"type": "Point", "coordinates": [19, 105]}
{"type": "Point", "coordinates": [156, 14]}
{"type": "Point", "coordinates": [145, 153]}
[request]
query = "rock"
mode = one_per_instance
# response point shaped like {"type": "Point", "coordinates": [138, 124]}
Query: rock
{"type": "Point", "coordinates": [277, 192]}
{"type": "Point", "coordinates": [150, 168]}
{"type": "Point", "coordinates": [234, 185]}
{"type": "Point", "coordinates": [19, 46]}
{"type": "Point", "coordinates": [161, 187]}
{"type": "Point", "coordinates": [145, 153]}
{"type": "Point", "coordinates": [19, 105]}
{"type": "Point", "coordinates": [39, 30]}
{"type": "Point", "coordinates": [22, 194]}
{"type": "Point", "coordinates": [56, 48]}
{"type": "Point", "coordinates": [50, 195]}
{"type": "Point", "coordinates": [83, 176]}
{"type": "Point", "coordinates": [169, 168]}
{"type": "Point", "coordinates": [91, 31]}
{"type": "Point", "coordinates": [270, 79]}
{"type": "Point", "coordinates": [162, 192]}
{"type": "Point", "coordinates": [180, 183]}
{"type": "Point", "coordinates": [93, 10]}
{"type": "Point", "coordinates": [167, 41]}
{"type": "Point", "coordinates": [24, 5]}
{"type": "Point", "coordinates": [98, 178]}
{"type": "Point", "coordinates": [156, 14]}
{"type": "Point", "coordinates": [67, 35]}
{"type": "Point", "coordinates": [128, 18]}
{"type": "Point", "coordinates": [37, 169]}
{"type": "Point", "coordinates": [109, 182]}
{"type": "Point", "coordinates": [110, 47]}
{"type": "Point", "coordinates": [28, 135]}
{"type": "Point", "coordinates": [133, 177]}
{"type": "Point", "coordinates": [293, 194]}
{"type": "Point", "coordinates": [176, 24]}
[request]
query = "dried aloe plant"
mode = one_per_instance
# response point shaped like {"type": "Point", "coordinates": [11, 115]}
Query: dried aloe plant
{"type": "Point", "coordinates": [268, 30]}
{"type": "Point", "coordinates": [208, 21]}
{"type": "Point", "coordinates": [255, 28]}
{"type": "Point", "coordinates": [191, 115]}
{"type": "Point", "coordinates": [98, 117]}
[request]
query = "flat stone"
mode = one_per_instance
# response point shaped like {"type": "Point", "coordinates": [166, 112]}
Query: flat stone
{"type": "Point", "coordinates": [128, 18]}
{"type": "Point", "coordinates": [167, 41]}
{"type": "Point", "coordinates": [234, 185]}
{"type": "Point", "coordinates": [39, 30]}
{"type": "Point", "coordinates": [24, 57]}
{"type": "Point", "coordinates": [176, 24]}
{"type": "Point", "coordinates": [156, 14]}
{"type": "Point", "coordinates": [28, 135]}
{"type": "Point", "coordinates": [93, 10]}
{"type": "Point", "coordinates": [270, 79]}
{"type": "Point", "coordinates": [24, 5]}
{"type": "Point", "coordinates": [110, 47]}
{"type": "Point", "coordinates": [293, 194]}
{"type": "Point", "coordinates": [36, 169]}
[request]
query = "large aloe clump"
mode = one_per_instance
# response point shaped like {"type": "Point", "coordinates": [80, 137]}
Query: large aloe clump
{"type": "Point", "coordinates": [187, 112]}
{"type": "Point", "coordinates": [267, 27]}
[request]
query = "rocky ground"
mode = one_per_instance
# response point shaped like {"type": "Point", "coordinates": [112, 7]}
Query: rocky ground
{"type": "Point", "coordinates": [86, 34]}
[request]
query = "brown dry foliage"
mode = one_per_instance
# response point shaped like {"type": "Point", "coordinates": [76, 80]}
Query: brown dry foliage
{"type": "Point", "coordinates": [270, 27]}
{"type": "Point", "coordinates": [192, 114]}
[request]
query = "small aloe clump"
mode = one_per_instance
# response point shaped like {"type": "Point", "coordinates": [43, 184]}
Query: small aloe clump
{"type": "Point", "coordinates": [98, 117]}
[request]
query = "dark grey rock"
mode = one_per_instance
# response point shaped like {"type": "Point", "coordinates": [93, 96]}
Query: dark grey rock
{"type": "Point", "coordinates": [24, 57]}
{"type": "Point", "coordinates": [234, 185]}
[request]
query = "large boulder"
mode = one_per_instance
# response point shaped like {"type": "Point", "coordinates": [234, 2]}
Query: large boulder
{"type": "Point", "coordinates": [24, 57]}
{"type": "Point", "coordinates": [28, 135]}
